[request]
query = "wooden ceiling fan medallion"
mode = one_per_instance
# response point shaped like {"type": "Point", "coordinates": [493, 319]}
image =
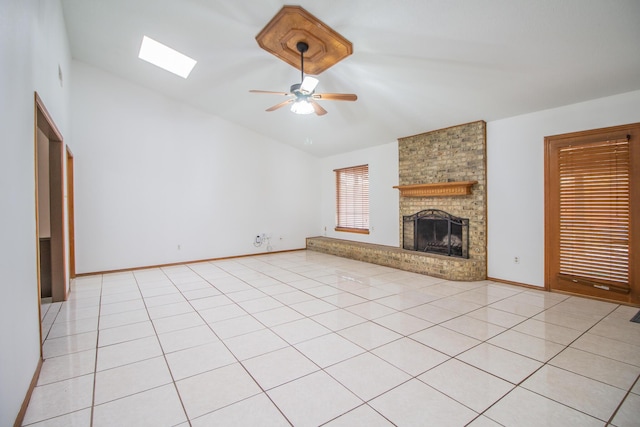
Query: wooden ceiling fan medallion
{"type": "Point", "coordinates": [293, 24]}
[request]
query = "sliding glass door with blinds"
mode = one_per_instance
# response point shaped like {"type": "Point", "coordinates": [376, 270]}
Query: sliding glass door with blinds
{"type": "Point", "coordinates": [592, 208]}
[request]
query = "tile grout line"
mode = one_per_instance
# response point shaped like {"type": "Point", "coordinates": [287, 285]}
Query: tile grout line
{"type": "Point", "coordinates": [547, 363]}
{"type": "Point", "coordinates": [95, 367]}
{"type": "Point", "coordinates": [486, 341]}
{"type": "Point", "coordinates": [223, 343]}
{"type": "Point", "coordinates": [164, 355]}
{"type": "Point", "coordinates": [615, 412]}
{"type": "Point", "coordinates": [506, 329]}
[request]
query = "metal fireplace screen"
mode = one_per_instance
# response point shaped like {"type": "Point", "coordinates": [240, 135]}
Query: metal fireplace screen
{"type": "Point", "coordinates": [436, 231]}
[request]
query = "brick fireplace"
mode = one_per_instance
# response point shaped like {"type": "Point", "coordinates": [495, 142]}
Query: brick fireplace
{"type": "Point", "coordinates": [452, 164]}
{"type": "Point", "coordinates": [442, 170]}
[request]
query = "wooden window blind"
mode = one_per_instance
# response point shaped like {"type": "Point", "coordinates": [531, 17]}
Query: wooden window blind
{"type": "Point", "coordinates": [594, 210]}
{"type": "Point", "coordinates": [352, 199]}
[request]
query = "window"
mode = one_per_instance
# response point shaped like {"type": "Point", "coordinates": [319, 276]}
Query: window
{"type": "Point", "coordinates": [352, 199]}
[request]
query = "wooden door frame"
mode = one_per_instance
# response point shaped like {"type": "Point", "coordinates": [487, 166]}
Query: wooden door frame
{"type": "Point", "coordinates": [633, 131]}
{"type": "Point", "coordinates": [71, 215]}
{"type": "Point", "coordinates": [45, 123]}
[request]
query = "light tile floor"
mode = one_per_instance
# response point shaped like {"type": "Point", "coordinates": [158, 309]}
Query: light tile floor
{"type": "Point", "coordinates": [308, 339]}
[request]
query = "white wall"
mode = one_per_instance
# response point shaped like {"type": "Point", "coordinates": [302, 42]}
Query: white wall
{"type": "Point", "coordinates": [515, 169]}
{"type": "Point", "coordinates": [32, 45]}
{"type": "Point", "coordinates": [153, 174]}
{"type": "Point", "coordinates": [384, 201]}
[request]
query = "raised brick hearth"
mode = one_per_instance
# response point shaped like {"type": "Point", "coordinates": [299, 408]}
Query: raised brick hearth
{"type": "Point", "coordinates": [418, 262]}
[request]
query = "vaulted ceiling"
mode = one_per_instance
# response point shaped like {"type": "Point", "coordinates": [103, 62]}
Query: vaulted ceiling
{"type": "Point", "coordinates": [417, 65]}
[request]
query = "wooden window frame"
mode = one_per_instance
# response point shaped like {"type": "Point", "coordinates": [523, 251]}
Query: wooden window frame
{"type": "Point", "coordinates": [352, 204]}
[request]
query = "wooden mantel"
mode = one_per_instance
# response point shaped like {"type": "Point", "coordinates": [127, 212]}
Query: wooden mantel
{"type": "Point", "coordinates": [437, 189]}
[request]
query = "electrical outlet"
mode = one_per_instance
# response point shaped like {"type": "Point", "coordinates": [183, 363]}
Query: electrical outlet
{"type": "Point", "coordinates": [516, 260]}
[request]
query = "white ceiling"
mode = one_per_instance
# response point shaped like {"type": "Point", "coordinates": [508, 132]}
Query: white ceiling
{"type": "Point", "coordinates": [418, 65]}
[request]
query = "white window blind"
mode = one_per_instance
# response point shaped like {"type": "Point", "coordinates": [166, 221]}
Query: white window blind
{"type": "Point", "coordinates": [595, 212]}
{"type": "Point", "coordinates": [352, 199]}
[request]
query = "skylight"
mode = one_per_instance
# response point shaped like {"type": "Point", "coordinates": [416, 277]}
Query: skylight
{"type": "Point", "coordinates": [165, 57]}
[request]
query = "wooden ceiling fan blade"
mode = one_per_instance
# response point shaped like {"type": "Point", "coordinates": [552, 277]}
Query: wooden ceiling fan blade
{"type": "Point", "coordinates": [280, 105]}
{"type": "Point", "coordinates": [269, 92]}
{"type": "Point", "coordinates": [318, 108]}
{"type": "Point", "coordinates": [335, 96]}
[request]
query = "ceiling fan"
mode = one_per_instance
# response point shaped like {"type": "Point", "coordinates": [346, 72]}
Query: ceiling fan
{"type": "Point", "coordinates": [302, 96]}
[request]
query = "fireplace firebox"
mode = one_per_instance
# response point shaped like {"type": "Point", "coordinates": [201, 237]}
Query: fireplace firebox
{"type": "Point", "coordinates": [436, 231]}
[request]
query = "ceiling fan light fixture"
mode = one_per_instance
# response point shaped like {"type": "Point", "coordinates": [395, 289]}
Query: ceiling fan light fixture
{"type": "Point", "coordinates": [302, 96]}
{"type": "Point", "coordinates": [308, 85]}
{"type": "Point", "coordinates": [302, 106]}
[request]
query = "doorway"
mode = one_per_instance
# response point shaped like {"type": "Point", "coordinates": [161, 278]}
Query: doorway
{"type": "Point", "coordinates": [50, 227]}
{"type": "Point", "coordinates": [592, 213]}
